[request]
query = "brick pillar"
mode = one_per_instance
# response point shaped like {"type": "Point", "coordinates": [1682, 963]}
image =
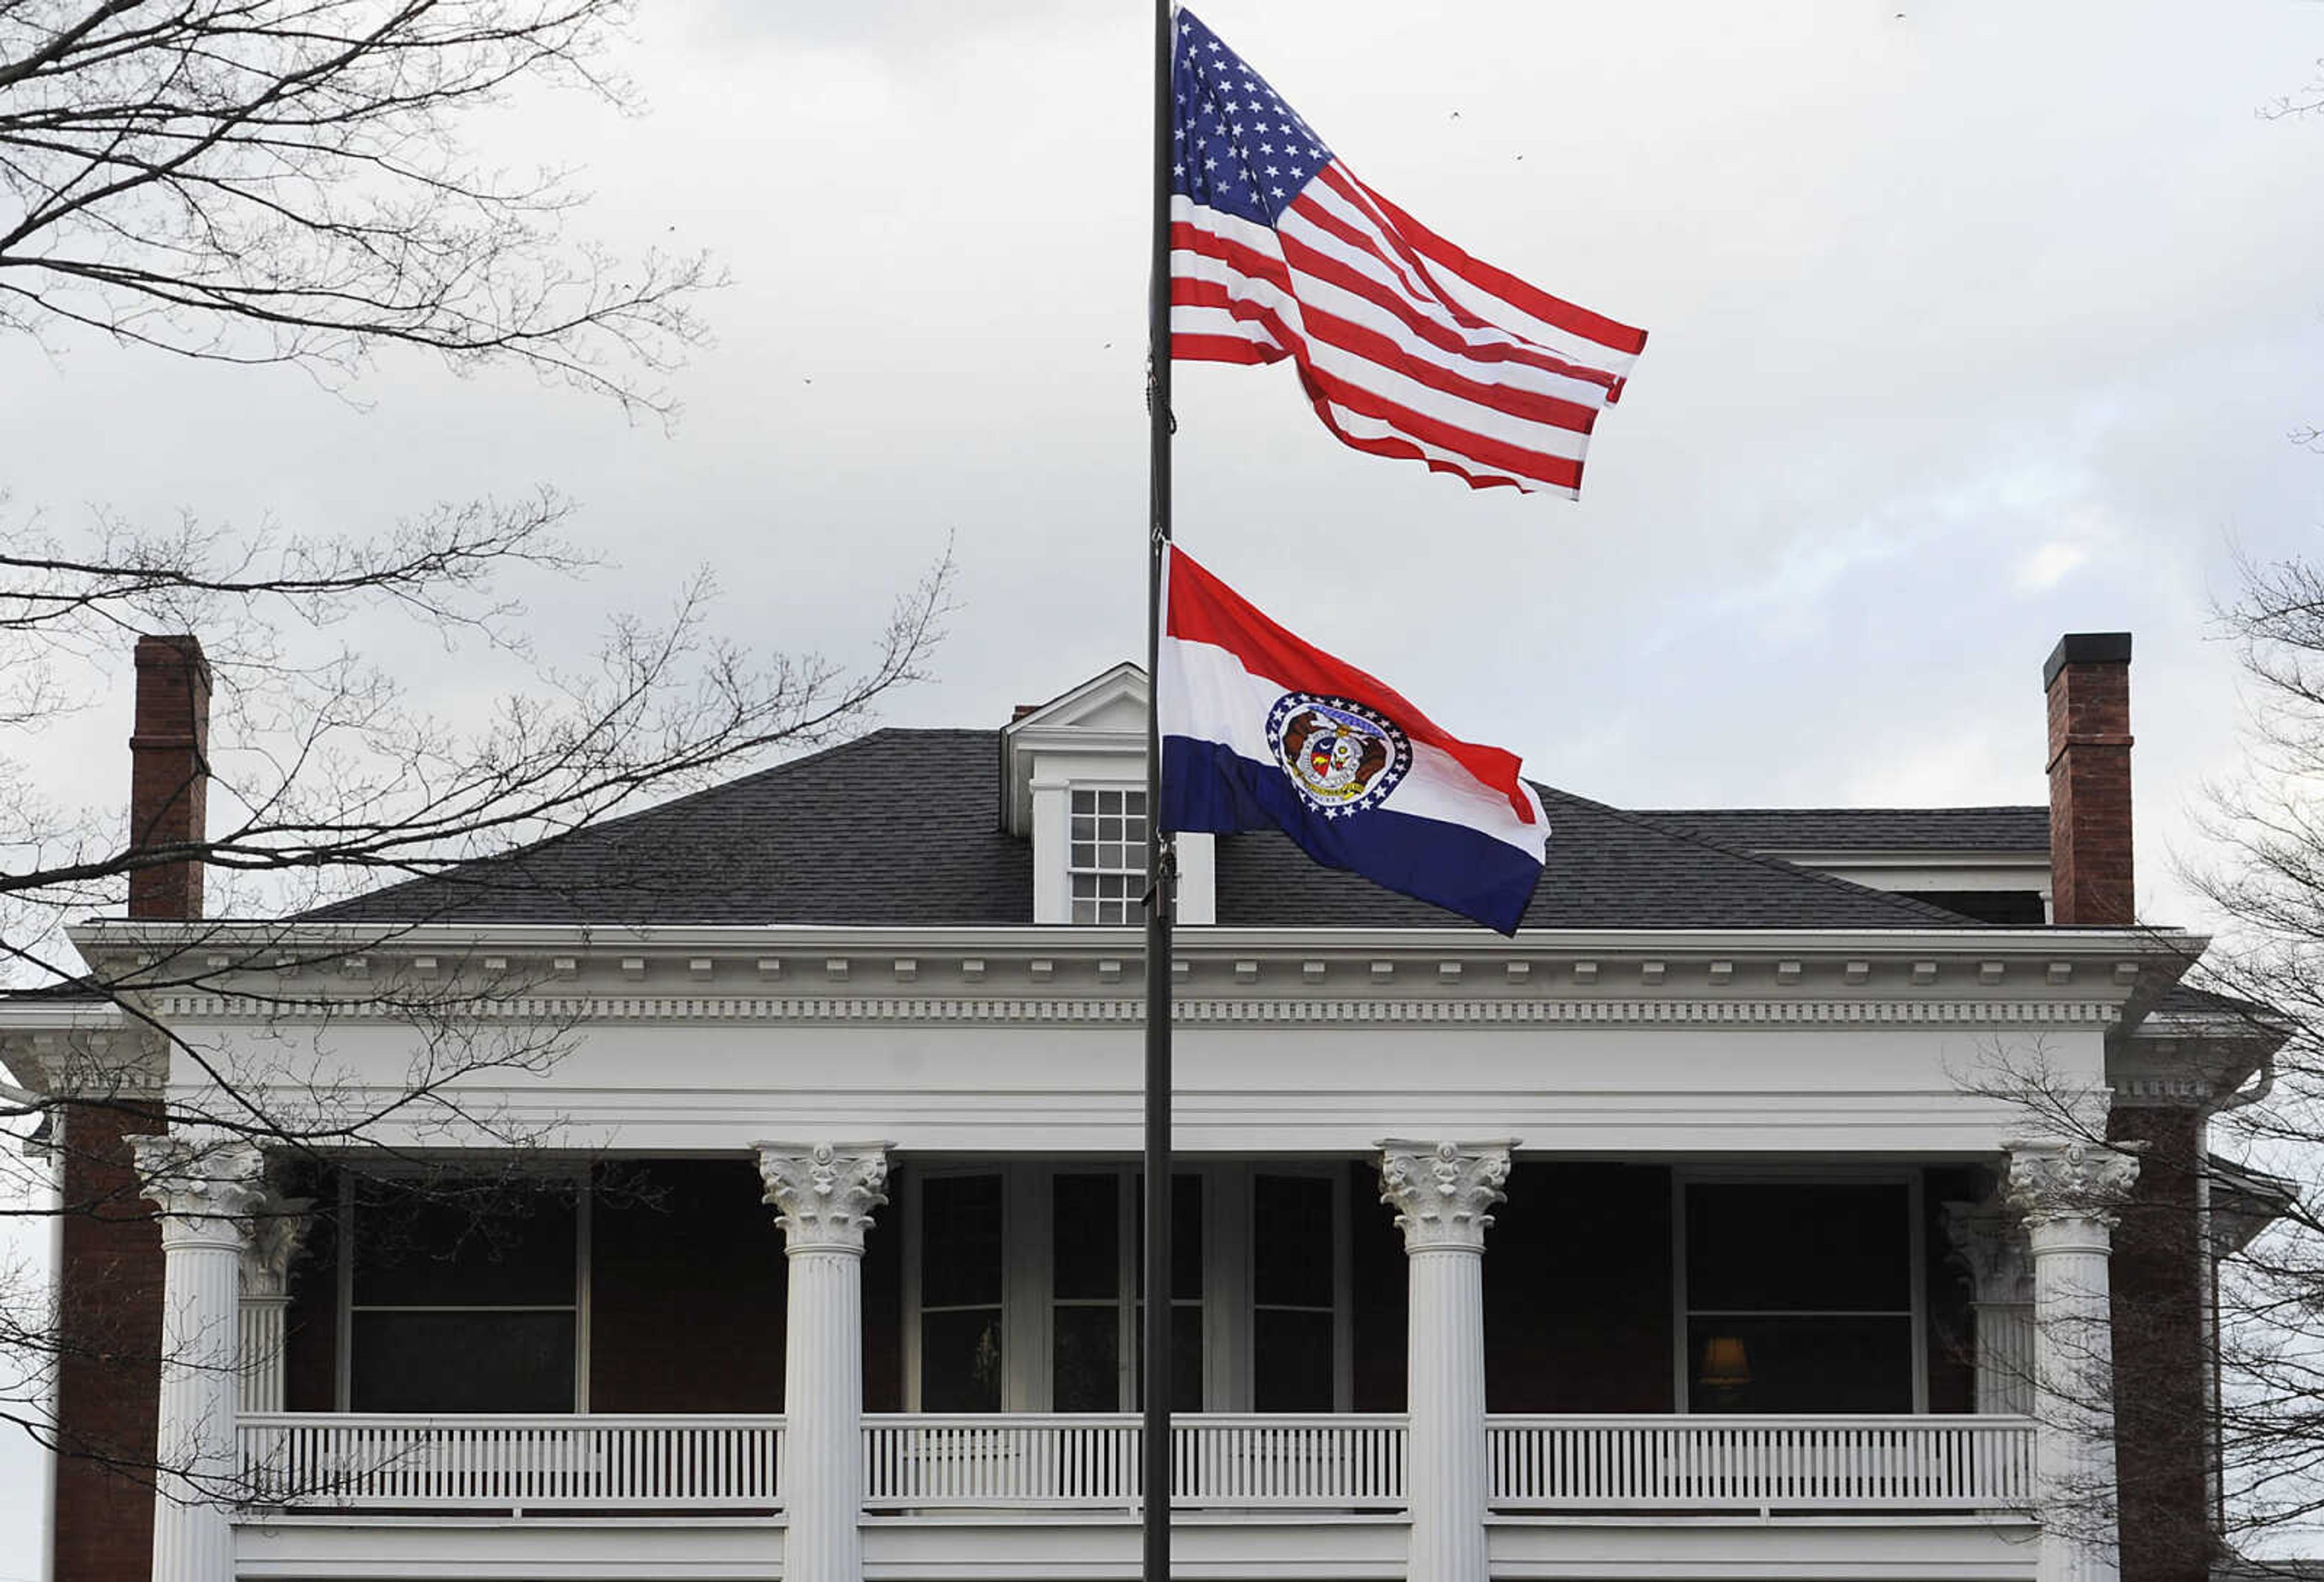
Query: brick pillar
{"type": "Point", "coordinates": [168, 773]}
{"type": "Point", "coordinates": [109, 1328]}
{"type": "Point", "coordinates": [2088, 680]}
{"type": "Point", "coordinates": [2162, 1417]}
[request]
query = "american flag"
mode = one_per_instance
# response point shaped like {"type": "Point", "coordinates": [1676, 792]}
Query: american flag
{"type": "Point", "coordinates": [1407, 346]}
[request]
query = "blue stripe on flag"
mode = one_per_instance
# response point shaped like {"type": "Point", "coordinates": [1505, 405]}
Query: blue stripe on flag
{"type": "Point", "coordinates": [1207, 786]}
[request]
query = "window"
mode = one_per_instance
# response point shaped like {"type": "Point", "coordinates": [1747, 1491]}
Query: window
{"type": "Point", "coordinates": [961, 1238]}
{"type": "Point", "coordinates": [1087, 1318]}
{"type": "Point", "coordinates": [464, 1304]}
{"type": "Point", "coordinates": [1293, 1240]}
{"type": "Point", "coordinates": [1024, 1287]}
{"type": "Point", "coordinates": [1799, 1296]}
{"type": "Point", "coordinates": [1106, 866]}
{"type": "Point", "coordinates": [1186, 1240]}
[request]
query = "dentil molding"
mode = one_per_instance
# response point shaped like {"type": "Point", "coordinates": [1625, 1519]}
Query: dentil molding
{"type": "Point", "coordinates": [1129, 1011]}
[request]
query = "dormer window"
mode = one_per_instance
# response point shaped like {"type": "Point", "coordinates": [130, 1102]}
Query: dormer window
{"type": "Point", "coordinates": [1073, 786]}
{"type": "Point", "coordinates": [1106, 864]}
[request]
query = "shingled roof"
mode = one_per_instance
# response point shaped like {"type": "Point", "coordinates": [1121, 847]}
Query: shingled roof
{"type": "Point", "coordinates": [901, 828]}
{"type": "Point", "coordinates": [1866, 829]}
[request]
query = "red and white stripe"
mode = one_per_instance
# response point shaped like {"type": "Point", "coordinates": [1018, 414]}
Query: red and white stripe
{"type": "Point", "coordinates": [1407, 346]}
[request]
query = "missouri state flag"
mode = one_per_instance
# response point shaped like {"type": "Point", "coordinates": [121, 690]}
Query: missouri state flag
{"type": "Point", "coordinates": [1262, 731]}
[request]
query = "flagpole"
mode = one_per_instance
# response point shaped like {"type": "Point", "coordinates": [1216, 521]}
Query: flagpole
{"type": "Point", "coordinates": [1159, 862]}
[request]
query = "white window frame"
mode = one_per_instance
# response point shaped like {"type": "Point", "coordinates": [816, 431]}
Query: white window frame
{"type": "Point", "coordinates": [1028, 1284]}
{"type": "Point", "coordinates": [1017, 1342]}
{"type": "Point", "coordinates": [345, 1306]}
{"type": "Point", "coordinates": [1344, 1316]}
{"type": "Point", "coordinates": [1911, 1178]}
{"type": "Point", "coordinates": [1139, 877]}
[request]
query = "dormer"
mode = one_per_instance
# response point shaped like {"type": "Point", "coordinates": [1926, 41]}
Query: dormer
{"type": "Point", "coordinates": [1072, 780]}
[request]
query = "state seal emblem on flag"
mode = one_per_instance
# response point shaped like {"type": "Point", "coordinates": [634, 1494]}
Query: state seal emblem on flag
{"type": "Point", "coordinates": [1343, 757]}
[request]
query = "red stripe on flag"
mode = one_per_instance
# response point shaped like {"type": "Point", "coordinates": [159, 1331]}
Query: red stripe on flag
{"type": "Point", "coordinates": [1526, 465]}
{"type": "Point", "coordinates": [1373, 346]}
{"type": "Point", "coordinates": [1516, 293]}
{"type": "Point", "coordinates": [1203, 610]}
{"type": "Point", "coordinates": [1306, 259]}
{"type": "Point", "coordinates": [1560, 472]}
{"type": "Point", "coordinates": [1244, 259]}
{"type": "Point", "coordinates": [1195, 348]}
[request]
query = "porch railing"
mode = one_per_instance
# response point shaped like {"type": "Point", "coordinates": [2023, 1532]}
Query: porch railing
{"type": "Point", "coordinates": [1714, 1463]}
{"type": "Point", "coordinates": [1319, 1462]}
{"type": "Point", "coordinates": [416, 1462]}
{"type": "Point", "coordinates": [1028, 1461]}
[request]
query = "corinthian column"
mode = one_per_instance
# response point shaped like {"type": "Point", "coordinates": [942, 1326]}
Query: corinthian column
{"type": "Point", "coordinates": [278, 1235]}
{"type": "Point", "coordinates": [205, 1189]}
{"type": "Point", "coordinates": [2070, 1193]}
{"type": "Point", "coordinates": [824, 1194]}
{"type": "Point", "coordinates": [1441, 1192]}
{"type": "Point", "coordinates": [1990, 1243]}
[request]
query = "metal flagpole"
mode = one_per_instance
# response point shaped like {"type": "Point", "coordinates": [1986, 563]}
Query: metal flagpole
{"type": "Point", "coordinates": [1159, 858]}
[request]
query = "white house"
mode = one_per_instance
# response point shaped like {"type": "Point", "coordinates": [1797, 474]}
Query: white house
{"type": "Point", "coordinates": [1689, 1234]}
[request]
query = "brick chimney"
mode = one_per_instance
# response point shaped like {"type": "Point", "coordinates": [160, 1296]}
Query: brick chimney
{"type": "Point", "coordinates": [168, 773]}
{"type": "Point", "coordinates": [2088, 680]}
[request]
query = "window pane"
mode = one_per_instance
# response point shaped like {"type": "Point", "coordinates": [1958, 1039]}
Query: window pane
{"type": "Point", "coordinates": [1083, 1371]}
{"type": "Point", "coordinates": [462, 1362]}
{"type": "Point", "coordinates": [1755, 1246]}
{"type": "Point", "coordinates": [960, 1240]}
{"type": "Point", "coordinates": [960, 1360]}
{"type": "Point", "coordinates": [1085, 801]}
{"type": "Point", "coordinates": [1291, 1240]}
{"type": "Point", "coordinates": [1186, 1356]}
{"type": "Point", "coordinates": [426, 1246]}
{"type": "Point", "coordinates": [1291, 1360]}
{"type": "Point", "coordinates": [1185, 1238]}
{"type": "Point", "coordinates": [1086, 1236]}
{"type": "Point", "coordinates": [1799, 1365]}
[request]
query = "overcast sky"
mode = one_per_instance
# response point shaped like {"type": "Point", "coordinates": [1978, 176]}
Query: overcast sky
{"type": "Point", "coordinates": [1972, 322]}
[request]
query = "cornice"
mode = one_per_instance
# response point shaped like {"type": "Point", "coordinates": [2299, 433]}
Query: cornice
{"type": "Point", "coordinates": [1129, 1010]}
{"type": "Point", "coordinates": [1221, 976]}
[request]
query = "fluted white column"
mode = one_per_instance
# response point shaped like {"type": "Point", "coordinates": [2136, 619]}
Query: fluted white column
{"type": "Point", "coordinates": [278, 1235]}
{"type": "Point", "coordinates": [2071, 1194]}
{"type": "Point", "coordinates": [824, 1194]}
{"type": "Point", "coordinates": [1990, 1242]}
{"type": "Point", "coordinates": [205, 1189]}
{"type": "Point", "coordinates": [1441, 1192]}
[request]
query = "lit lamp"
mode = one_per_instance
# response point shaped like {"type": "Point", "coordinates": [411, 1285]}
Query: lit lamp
{"type": "Point", "coordinates": [1726, 1365]}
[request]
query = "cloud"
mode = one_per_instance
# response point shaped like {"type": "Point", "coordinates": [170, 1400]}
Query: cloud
{"type": "Point", "coordinates": [2051, 564]}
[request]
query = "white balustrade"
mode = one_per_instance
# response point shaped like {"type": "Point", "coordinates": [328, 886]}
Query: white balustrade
{"type": "Point", "coordinates": [1722, 1462]}
{"type": "Point", "coordinates": [1013, 1461]}
{"type": "Point", "coordinates": [1035, 1460]}
{"type": "Point", "coordinates": [304, 1460]}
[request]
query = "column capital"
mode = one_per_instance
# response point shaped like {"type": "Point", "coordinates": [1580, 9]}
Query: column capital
{"type": "Point", "coordinates": [2062, 1182]}
{"type": "Point", "coordinates": [279, 1229]}
{"type": "Point", "coordinates": [197, 1181]}
{"type": "Point", "coordinates": [1442, 1191]}
{"type": "Point", "coordinates": [823, 1192]}
{"type": "Point", "coordinates": [1989, 1240]}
